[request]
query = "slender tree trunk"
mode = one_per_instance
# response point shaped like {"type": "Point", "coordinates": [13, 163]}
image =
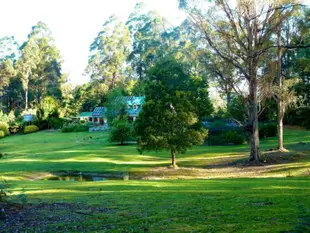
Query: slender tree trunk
{"type": "Point", "coordinates": [26, 98]}
{"type": "Point", "coordinates": [228, 98]}
{"type": "Point", "coordinates": [113, 84]}
{"type": "Point", "coordinates": [253, 122]}
{"type": "Point", "coordinates": [174, 162]}
{"type": "Point", "coordinates": [281, 107]}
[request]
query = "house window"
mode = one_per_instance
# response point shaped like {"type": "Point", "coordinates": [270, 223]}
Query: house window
{"type": "Point", "coordinates": [135, 107]}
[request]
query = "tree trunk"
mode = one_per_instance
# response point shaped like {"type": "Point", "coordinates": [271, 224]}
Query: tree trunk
{"type": "Point", "coordinates": [39, 96]}
{"type": "Point", "coordinates": [113, 83]}
{"type": "Point", "coordinates": [253, 122]}
{"type": "Point", "coordinates": [228, 98]}
{"type": "Point", "coordinates": [280, 127]}
{"type": "Point", "coordinates": [281, 107]}
{"type": "Point", "coordinates": [26, 98]}
{"type": "Point", "coordinates": [174, 162]}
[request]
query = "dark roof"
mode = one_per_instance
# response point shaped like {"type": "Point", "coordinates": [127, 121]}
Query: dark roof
{"type": "Point", "coordinates": [99, 112]}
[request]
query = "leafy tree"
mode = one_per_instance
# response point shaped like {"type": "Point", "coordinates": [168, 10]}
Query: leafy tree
{"type": "Point", "coordinates": [169, 119]}
{"type": "Point", "coordinates": [115, 107]}
{"type": "Point", "coordinates": [25, 64]}
{"type": "Point", "coordinates": [121, 131]}
{"type": "Point", "coordinates": [8, 55]}
{"type": "Point", "coordinates": [9, 48]}
{"type": "Point", "coordinates": [109, 52]}
{"type": "Point", "coordinates": [146, 29]}
{"type": "Point", "coordinates": [295, 63]}
{"type": "Point", "coordinates": [6, 72]}
{"type": "Point", "coordinates": [47, 77]}
{"type": "Point", "coordinates": [46, 111]}
{"type": "Point", "coordinates": [238, 108]}
{"type": "Point", "coordinates": [241, 36]}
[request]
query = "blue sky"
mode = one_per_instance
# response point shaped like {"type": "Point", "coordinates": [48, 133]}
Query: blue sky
{"type": "Point", "coordinates": [74, 23]}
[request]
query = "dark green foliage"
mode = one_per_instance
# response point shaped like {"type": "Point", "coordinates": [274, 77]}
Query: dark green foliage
{"type": "Point", "coordinates": [169, 119]}
{"type": "Point", "coordinates": [228, 136]}
{"type": "Point", "coordinates": [56, 123]}
{"type": "Point", "coordinates": [298, 117]}
{"type": "Point", "coordinates": [297, 64]}
{"type": "Point", "coordinates": [121, 131]}
{"type": "Point", "coordinates": [234, 137]}
{"type": "Point", "coordinates": [267, 130]}
{"type": "Point", "coordinates": [238, 108]}
{"type": "Point", "coordinates": [303, 224]}
{"type": "Point", "coordinates": [74, 127]}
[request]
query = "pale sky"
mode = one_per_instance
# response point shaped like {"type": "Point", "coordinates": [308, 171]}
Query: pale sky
{"type": "Point", "coordinates": [74, 23]}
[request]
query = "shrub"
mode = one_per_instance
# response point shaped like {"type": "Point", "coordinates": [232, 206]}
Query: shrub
{"type": "Point", "coordinates": [42, 124]}
{"type": "Point", "coordinates": [5, 128]}
{"type": "Point", "coordinates": [2, 134]}
{"type": "Point", "coordinates": [31, 129]}
{"type": "Point", "coordinates": [234, 138]}
{"type": "Point", "coordinates": [267, 130]}
{"type": "Point", "coordinates": [225, 137]}
{"type": "Point", "coordinates": [121, 131]}
{"type": "Point", "coordinates": [56, 123]}
{"type": "Point", "coordinates": [74, 127]}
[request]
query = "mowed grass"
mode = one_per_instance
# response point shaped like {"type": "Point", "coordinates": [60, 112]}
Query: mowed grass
{"type": "Point", "coordinates": [91, 152]}
{"type": "Point", "coordinates": [217, 205]}
{"type": "Point", "coordinates": [197, 204]}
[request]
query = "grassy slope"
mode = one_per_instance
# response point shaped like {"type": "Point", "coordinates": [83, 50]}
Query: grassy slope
{"type": "Point", "coordinates": [90, 152]}
{"type": "Point", "coordinates": [217, 205]}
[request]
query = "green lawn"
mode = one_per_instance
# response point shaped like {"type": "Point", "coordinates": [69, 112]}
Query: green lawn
{"type": "Point", "coordinates": [91, 152]}
{"type": "Point", "coordinates": [275, 199]}
{"type": "Point", "coordinates": [220, 205]}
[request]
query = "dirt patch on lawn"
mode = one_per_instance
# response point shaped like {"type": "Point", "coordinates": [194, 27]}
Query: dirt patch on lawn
{"type": "Point", "coordinates": [274, 164]}
{"type": "Point", "coordinates": [45, 217]}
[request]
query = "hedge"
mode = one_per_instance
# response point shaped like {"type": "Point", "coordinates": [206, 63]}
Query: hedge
{"type": "Point", "coordinates": [31, 129]}
{"type": "Point", "coordinates": [74, 127]}
{"type": "Point", "coordinates": [268, 130]}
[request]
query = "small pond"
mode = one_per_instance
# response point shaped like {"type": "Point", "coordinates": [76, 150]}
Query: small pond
{"type": "Point", "coordinates": [84, 177]}
{"type": "Point", "coordinates": [81, 178]}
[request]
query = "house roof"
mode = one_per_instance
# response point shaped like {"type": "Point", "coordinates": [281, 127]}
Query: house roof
{"type": "Point", "coordinates": [131, 100]}
{"type": "Point", "coordinates": [99, 112]}
{"type": "Point", "coordinates": [85, 114]}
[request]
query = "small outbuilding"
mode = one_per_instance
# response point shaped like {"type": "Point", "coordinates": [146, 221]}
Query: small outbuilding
{"type": "Point", "coordinates": [99, 116]}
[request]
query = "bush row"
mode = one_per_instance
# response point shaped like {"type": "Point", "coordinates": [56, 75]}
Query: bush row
{"type": "Point", "coordinates": [267, 130]}
{"type": "Point", "coordinates": [74, 127]}
{"type": "Point", "coordinates": [238, 135]}
{"type": "Point", "coordinates": [227, 137]}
